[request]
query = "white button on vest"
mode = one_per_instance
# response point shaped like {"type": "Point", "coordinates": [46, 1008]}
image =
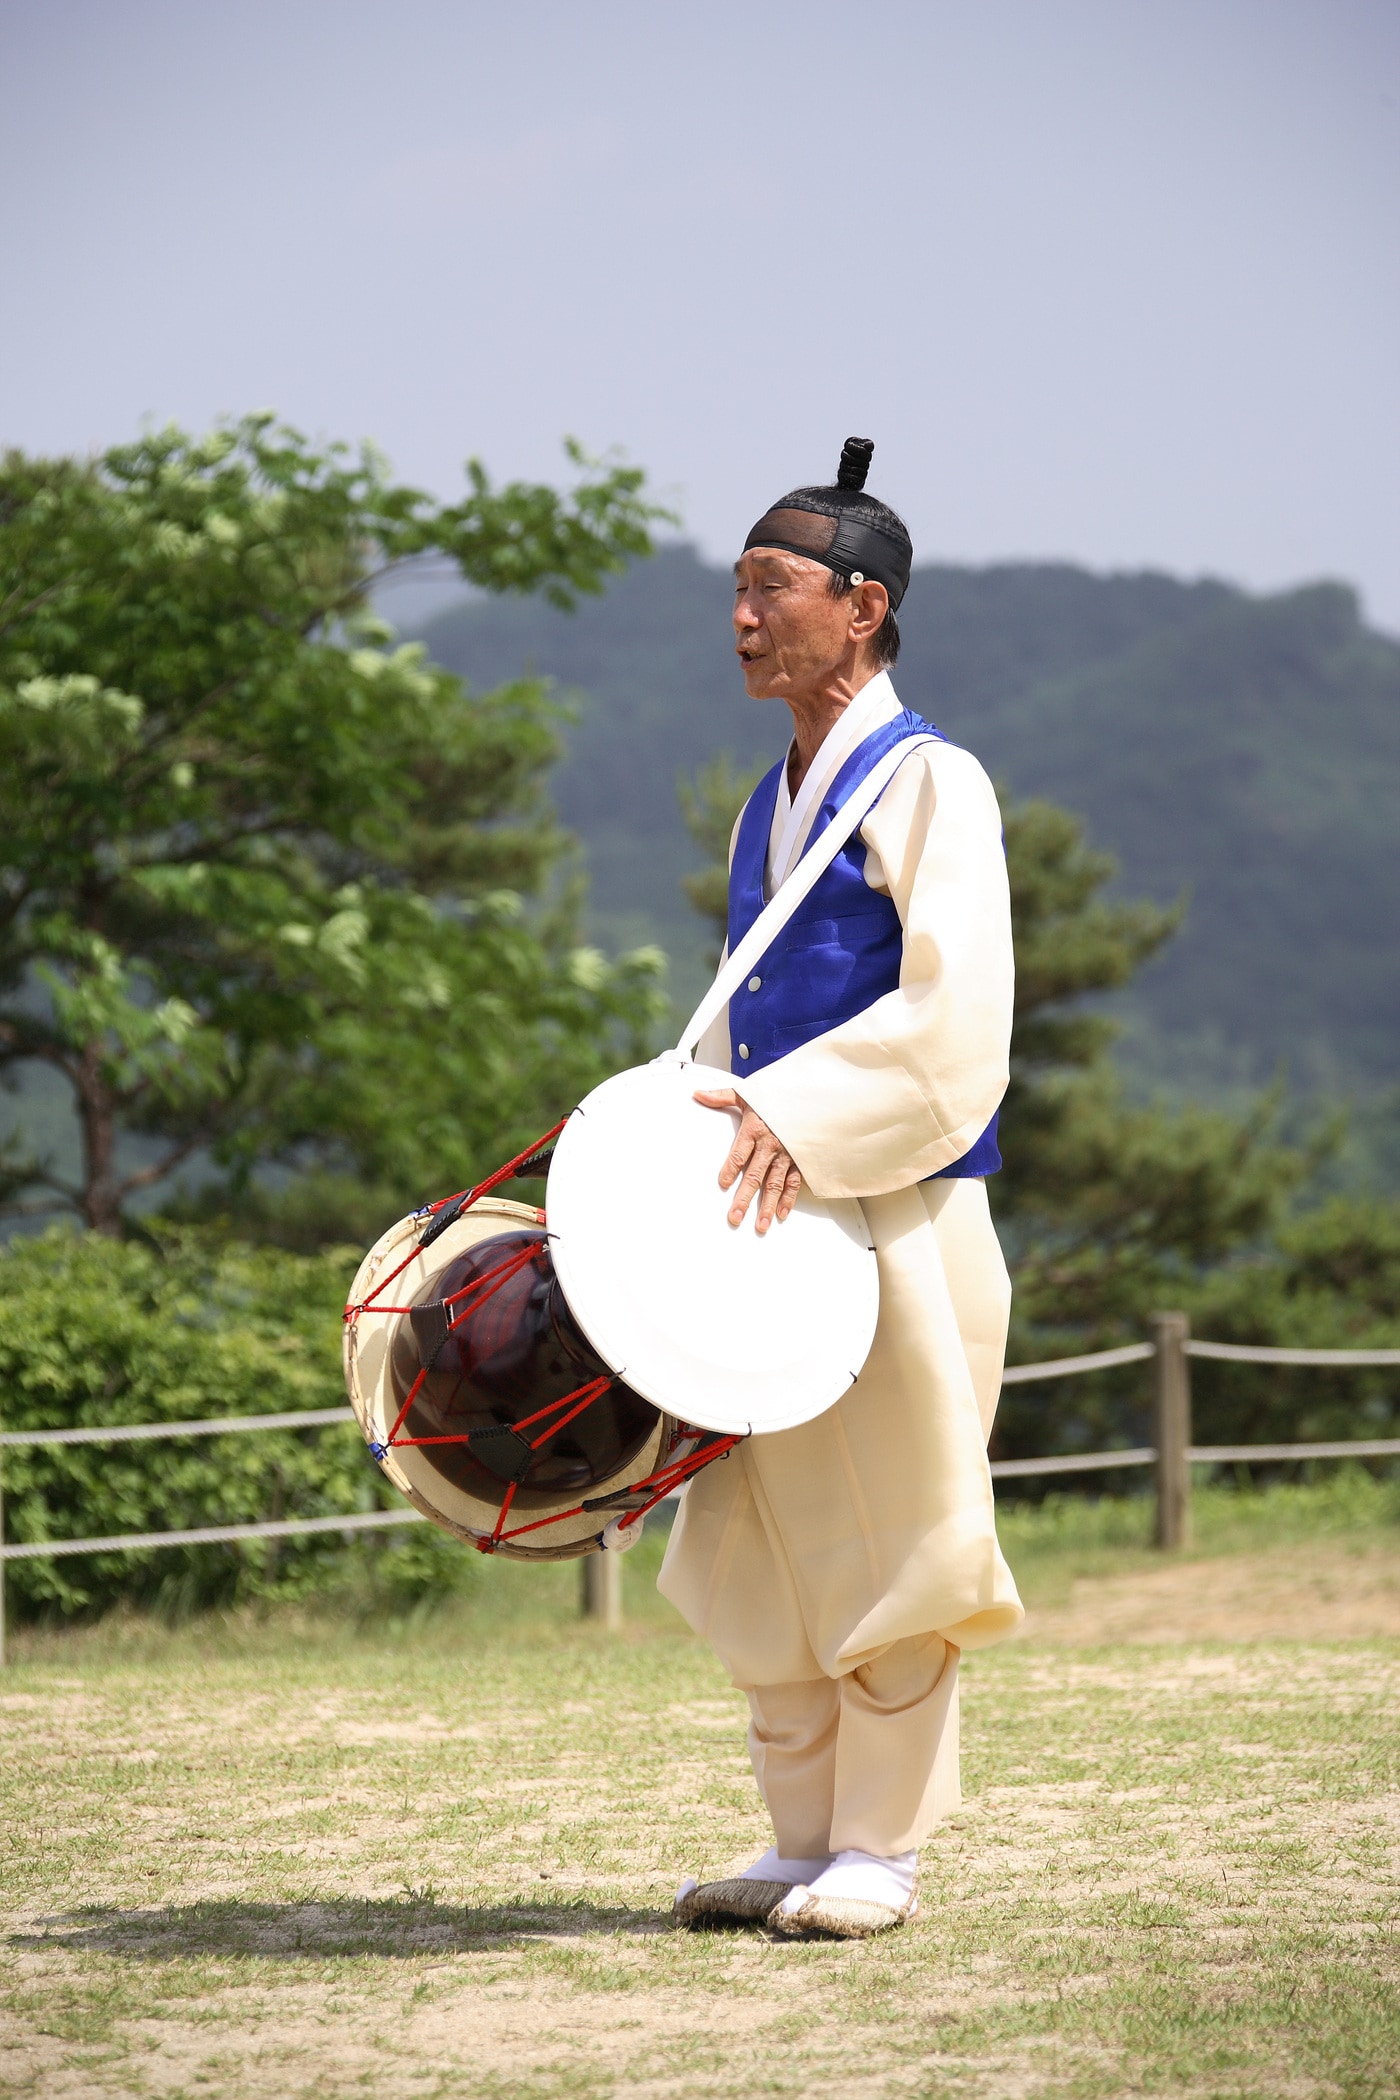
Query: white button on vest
{"type": "Point", "coordinates": [755, 984]}
{"type": "Point", "coordinates": [743, 1049]}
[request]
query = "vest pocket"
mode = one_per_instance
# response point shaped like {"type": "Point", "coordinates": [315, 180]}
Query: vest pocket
{"type": "Point", "coordinates": [856, 932]}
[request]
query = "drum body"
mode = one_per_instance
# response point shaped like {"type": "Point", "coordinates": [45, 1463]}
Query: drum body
{"type": "Point", "coordinates": [478, 1323]}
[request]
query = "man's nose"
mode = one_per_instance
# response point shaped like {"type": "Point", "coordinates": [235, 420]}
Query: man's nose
{"type": "Point", "coordinates": [744, 615]}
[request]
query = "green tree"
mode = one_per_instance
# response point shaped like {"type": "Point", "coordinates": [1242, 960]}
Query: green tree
{"type": "Point", "coordinates": [1105, 1203]}
{"type": "Point", "coordinates": [263, 874]}
{"type": "Point", "coordinates": [710, 804]}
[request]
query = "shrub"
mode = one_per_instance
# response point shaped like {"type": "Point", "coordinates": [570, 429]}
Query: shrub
{"type": "Point", "coordinates": [96, 1331]}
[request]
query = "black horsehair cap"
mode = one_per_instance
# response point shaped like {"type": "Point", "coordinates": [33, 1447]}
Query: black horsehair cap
{"type": "Point", "coordinates": [858, 536]}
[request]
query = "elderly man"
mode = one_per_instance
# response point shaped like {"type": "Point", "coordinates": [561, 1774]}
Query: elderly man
{"type": "Point", "coordinates": [839, 1568]}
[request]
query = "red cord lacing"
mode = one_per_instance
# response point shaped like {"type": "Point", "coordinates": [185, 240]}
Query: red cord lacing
{"type": "Point", "coordinates": [472, 1195]}
{"type": "Point", "coordinates": [663, 1482]}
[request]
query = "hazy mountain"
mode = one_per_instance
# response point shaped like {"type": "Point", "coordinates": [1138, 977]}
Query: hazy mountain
{"type": "Point", "coordinates": [1243, 750]}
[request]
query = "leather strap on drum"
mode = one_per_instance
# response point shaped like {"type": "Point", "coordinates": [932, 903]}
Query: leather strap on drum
{"type": "Point", "coordinates": [804, 877]}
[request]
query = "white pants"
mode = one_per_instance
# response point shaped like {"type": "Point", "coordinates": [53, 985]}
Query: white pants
{"type": "Point", "coordinates": [867, 1762]}
{"type": "Point", "coordinates": [840, 1567]}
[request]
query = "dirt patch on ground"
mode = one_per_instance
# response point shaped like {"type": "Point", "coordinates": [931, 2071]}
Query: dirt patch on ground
{"type": "Point", "coordinates": [1317, 1592]}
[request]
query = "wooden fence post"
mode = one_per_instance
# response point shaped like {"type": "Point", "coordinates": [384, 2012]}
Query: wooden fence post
{"type": "Point", "coordinates": [1171, 1427]}
{"type": "Point", "coordinates": [601, 1588]}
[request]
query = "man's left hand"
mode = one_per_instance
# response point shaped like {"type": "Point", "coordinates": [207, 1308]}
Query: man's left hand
{"type": "Point", "coordinates": [759, 1162]}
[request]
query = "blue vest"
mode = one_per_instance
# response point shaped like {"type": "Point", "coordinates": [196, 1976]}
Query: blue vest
{"type": "Point", "coordinates": [841, 949]}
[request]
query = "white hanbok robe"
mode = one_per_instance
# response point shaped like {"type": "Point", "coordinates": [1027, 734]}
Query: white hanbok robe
{"type": "Point", "coordinates": [809, 1552]}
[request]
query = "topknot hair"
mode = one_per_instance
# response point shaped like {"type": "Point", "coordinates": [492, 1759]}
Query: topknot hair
{"type": "Point", "coordinates": [855, 463]}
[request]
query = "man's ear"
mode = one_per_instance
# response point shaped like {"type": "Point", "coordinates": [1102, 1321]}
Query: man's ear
{"type": "Point", "coordinates": [869, 604]}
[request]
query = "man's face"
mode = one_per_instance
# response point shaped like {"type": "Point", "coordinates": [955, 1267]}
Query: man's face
{"type": "Point", "coordinates": [792, 636]}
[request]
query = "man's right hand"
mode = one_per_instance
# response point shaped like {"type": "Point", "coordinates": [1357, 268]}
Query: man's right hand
{"type": "Point", "coordinates": [759, 1162]}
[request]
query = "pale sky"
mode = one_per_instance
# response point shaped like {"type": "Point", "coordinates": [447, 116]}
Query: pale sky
{"type": "Point", "coordinates": [1110, 280]}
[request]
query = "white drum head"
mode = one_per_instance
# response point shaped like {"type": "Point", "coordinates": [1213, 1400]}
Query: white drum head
{"type": "Point", "coordinates": [713, 1324]}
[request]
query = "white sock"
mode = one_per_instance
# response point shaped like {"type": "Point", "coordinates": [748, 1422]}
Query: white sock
{"type": "Point", "coordinates": [865, 1878]}
{"type": "Point", "coordinates": [773, 1867]}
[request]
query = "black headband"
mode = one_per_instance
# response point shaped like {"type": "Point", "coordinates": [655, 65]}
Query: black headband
{"type": "Point", "coordinates": [859, 549]}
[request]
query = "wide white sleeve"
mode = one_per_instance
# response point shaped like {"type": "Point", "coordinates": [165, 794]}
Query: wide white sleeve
{"type": "Point", "coordinates": [907, 1086]}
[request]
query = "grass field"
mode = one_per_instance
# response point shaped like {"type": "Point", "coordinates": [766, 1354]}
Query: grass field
{"type": "Point", "coordinates": [304, 1856]}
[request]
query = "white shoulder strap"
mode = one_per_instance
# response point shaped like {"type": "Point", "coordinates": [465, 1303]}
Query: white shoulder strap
{"type": "Point", "coordinates": [809, 871]}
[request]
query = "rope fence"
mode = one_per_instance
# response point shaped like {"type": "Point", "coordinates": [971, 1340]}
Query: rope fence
{"type": "Point", "coordinates": [225, 1425]}
{"type": "Point", "coordinates": [1172, 1453]}
{"type": "Point", "coordinates": [1070, 1366]}
{"type": "Point", "coordinates": [217, 1534]}
{"type": "Point", "coordinates": [1243, 1353]}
